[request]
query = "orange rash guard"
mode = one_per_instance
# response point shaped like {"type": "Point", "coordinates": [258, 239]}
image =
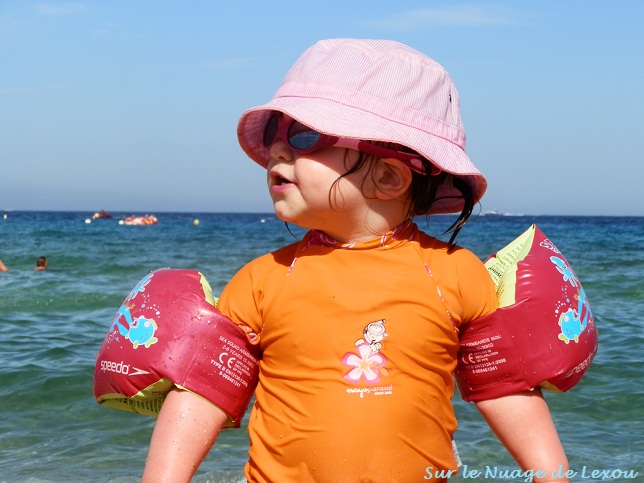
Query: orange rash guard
{"type": "Point", "coordinates": [358, 346]}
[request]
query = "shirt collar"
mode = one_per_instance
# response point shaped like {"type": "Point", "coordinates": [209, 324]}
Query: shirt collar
{"type": "Point", "coordinates": [403, 232]}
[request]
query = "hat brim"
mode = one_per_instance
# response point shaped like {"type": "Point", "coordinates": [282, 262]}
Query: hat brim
{"type": "Point", "coordinates": [337, 119]}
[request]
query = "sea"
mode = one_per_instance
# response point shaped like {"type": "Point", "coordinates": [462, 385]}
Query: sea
{"type": "Point", "coordinates": [52, 324]}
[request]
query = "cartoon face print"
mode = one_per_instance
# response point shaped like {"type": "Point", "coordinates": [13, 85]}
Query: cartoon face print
{"type": "Point", "coordinates": [373, 334]}
{"type": "Point", "coordinates": [368, 364]}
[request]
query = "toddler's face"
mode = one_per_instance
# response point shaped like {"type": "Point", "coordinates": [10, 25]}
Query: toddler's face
{"type": "Point", "coordinates": [307, 189]}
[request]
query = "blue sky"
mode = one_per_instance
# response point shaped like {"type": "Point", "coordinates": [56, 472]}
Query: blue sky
{"type": "Point", "coordinates": [133, 106]}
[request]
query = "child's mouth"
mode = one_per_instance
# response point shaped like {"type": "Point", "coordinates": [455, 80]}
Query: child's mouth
{"type": "Point", "coordinates": [279, 180]}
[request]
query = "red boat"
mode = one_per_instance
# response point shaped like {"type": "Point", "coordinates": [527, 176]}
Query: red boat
{"type": "Point", "coordinates": [101, 214]}
{"type": "Point", "coordinates": [141, 220]}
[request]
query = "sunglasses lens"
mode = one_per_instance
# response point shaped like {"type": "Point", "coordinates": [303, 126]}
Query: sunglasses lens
{"type": "Point", "coordinates": [271, 130]}
{"type": "Point", "coordinates": [302, 137]}
{"type": "Point", "coordinates": [304, 140]}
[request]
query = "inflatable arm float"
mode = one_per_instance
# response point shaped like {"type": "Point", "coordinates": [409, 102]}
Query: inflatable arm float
{"type": "Point", "coordinates": [543, 333]}
{"type": "Point", "coordinates": [168, 333]}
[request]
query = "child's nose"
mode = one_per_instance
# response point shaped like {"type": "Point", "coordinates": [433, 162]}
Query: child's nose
{"type": "Point", "coordinates": [280, 150]}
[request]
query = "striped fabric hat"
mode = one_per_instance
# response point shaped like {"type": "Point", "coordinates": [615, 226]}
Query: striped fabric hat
{"type": "Point", "coordinates": [373, 90]}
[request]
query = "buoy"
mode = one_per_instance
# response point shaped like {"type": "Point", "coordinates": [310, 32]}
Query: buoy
{"type": "Point", "coordinates": [195, 222]}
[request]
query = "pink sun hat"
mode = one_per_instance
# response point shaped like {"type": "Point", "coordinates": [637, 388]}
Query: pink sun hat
{"type": "Point", "coordinates": [373, 90]}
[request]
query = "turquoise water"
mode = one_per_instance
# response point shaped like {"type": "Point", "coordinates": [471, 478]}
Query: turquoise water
{"type": "Point", "coordinates": [52, 324]}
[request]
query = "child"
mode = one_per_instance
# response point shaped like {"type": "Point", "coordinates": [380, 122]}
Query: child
{"type": "Point", "coordinates": [41, 263]}
{"type": "Point", "coordinates": [358, 324]}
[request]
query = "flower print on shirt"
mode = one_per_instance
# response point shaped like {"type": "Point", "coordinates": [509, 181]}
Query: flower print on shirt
{"type": "Point", "coordinates": [369, 363]}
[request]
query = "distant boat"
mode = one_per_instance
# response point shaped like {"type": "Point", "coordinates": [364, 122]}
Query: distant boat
{"type": "Point", "coordinates": [101, 214]}
{"type": "Point", "coordinates": [140, 220]}
{"type": "Point", "coordinates": [498, 213]}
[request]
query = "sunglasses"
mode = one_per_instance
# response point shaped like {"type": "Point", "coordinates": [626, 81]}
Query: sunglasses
{"type": "Point", "coordinates": [303, 140]}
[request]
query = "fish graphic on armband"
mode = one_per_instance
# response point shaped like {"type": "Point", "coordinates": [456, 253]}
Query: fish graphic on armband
{"type": "Point", "coordinates": [139, 331]}
{"type": "Point", "coordinates": [573, 321]}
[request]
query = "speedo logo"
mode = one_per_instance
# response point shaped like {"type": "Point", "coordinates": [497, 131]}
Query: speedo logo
{"type": "Point", "coordinates": [121, 368]}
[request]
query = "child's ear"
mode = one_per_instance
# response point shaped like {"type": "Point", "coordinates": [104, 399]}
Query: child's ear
{"type": "Point", "coordinates": [391, 177]}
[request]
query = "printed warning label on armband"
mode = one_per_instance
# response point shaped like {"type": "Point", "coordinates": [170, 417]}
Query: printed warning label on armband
{"type": "Point", "coordinates": [480, 356]}
{"type": "Point", "coordinates": [234, 363]}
